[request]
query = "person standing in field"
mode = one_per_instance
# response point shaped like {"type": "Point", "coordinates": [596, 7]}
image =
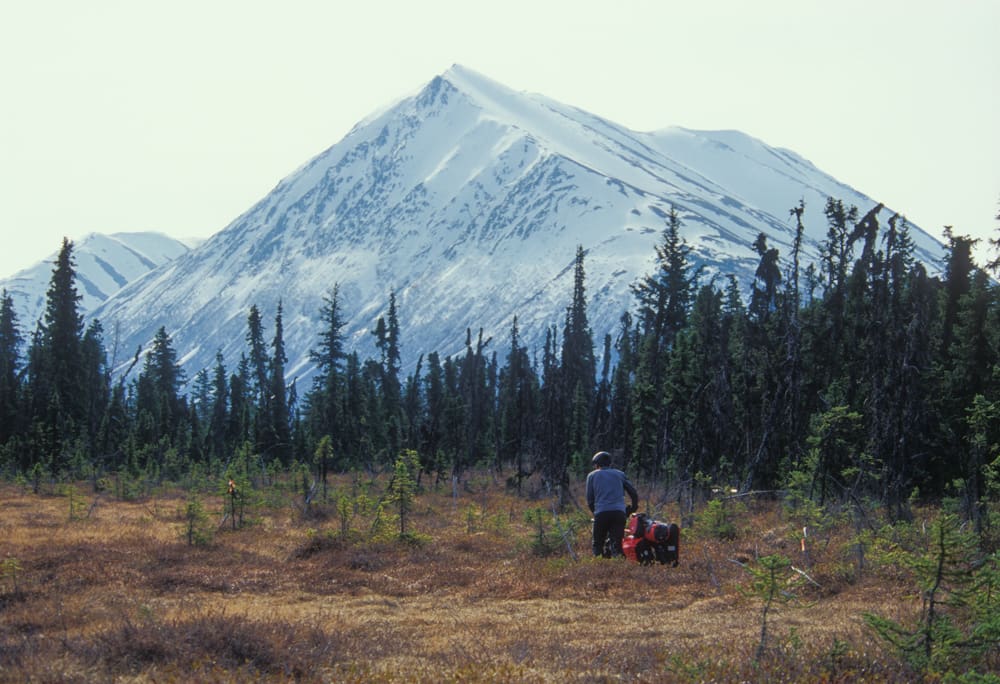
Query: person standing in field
{"type": "Point", "coordinates": [606, 489]}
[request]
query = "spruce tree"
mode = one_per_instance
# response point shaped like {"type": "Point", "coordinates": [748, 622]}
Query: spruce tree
{"type": "Point", "coordinates": [517, 407]}
{"type": "Point", "coordinates": [663, 299]}
{"type": "Point", "coordinates": [762, 362]}
{"type": "Point", "coordinates": [258, 374]}
{"type": "Point", "coordinates": [239, 427]}
{"type": "Point", "coordinates": [767, 280]}
{"type": "Point", "coordinates": [113, 434]}
{"type": "Point", "coordinates": [475, 395]}
{"type": "Point", "coordinates": [959, 267]}
{"type": "Point", "coordinates": [325, 401]}
{"type": "Point", "coordinates": [578, 365]}
{"type": "Point", "coordinates": [278, 438]}
{"type": "Point", "coordinates": [413, 411]}
{"type": "Point", "coordinates": [553, 417]}
{"type": "Point", "coordinates": [201, 395]}
{"type": "Point", "coordinates": [663, 296]}
{"type": "Point", "coordinates": [158, 394]}
{"type": "Point", "coordinates": [965, 379]}
{"type": "Point", "coordinates": [601, 420]}
{"type": "Point", "coordinates": [433, 425]}
{"type": "Point", "coordinates": [357, 438]}
{"type": "Point", "coordinates": [10, 363]}
{"type": "Point", "coordinates": [55, 363]}
{"type": "Point", "coordinates": [698, 394]}
{"type": "Point", "coordinates": [219, 412]}
{"type": "Point", "coordinates": [386, 334]}
{"type": "Point", "coordinates": [897, 366]}
{"type": "Point", "coordinates": [620, 408]}
{"type": "Point", "coordinates": [796, 413]}
{"type": "Point", "coordinates": [836, 254]}
{"type": "Point", "coordinates": [95, 378]}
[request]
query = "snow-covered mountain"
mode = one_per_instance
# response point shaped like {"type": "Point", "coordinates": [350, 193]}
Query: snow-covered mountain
{"type": "Point", "coordinates": [104, 264]}
{"type": "Point", "coordinates": [468, 200]}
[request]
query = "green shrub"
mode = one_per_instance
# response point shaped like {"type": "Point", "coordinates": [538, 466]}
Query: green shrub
{"type": "Point", "coordinates": [959, 622]}
{"type": "Point", "coordinates": [197, 529]}
{"type": "Point", "coordinates": [716, 521]}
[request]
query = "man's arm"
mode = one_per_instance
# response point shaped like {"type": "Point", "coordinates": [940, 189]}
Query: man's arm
{"type": "Point", "coordinates": [630, 488]}
{"type": "Point", "coordinates": [590, 493]}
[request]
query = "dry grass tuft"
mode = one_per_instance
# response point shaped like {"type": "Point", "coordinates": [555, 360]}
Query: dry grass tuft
{"type": "Point", "coordinates": [232, 643]}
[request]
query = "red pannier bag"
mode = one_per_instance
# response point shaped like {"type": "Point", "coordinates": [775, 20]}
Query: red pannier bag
{"type": "Point", "coordinates": [648, 540]}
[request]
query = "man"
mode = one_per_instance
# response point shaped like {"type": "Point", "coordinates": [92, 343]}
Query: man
{"type": "Point", "coordinates": [606, 489]}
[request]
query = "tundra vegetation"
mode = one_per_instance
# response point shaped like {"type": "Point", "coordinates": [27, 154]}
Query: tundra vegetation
{"type": "Point", "coordinates": [826, 437]}
{"type": "Point", "coordinates": [480, 586]}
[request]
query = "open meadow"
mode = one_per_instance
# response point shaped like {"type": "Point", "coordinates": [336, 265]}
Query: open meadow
{"type": "Point", "coordinates": [485, 585]}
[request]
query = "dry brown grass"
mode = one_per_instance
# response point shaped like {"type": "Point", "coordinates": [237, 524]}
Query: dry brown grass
{"type": "Point", "coordinates": [119, 596]}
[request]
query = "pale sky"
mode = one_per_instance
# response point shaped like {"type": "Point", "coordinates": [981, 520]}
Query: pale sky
{"type": "Point", "coordinates": [178, 116]}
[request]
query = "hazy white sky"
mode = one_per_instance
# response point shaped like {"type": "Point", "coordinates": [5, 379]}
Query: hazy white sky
{"type": "Point", "coordinates": [178, 116]}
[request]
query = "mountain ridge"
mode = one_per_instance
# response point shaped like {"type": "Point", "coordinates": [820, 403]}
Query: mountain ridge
{"type": "Point", "coordinates": [468, 200]}
{"type": "Point", "coordinates": [105, 262]}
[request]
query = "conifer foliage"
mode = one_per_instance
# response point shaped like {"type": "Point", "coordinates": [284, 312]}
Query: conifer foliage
{"type": "Point", "coordinates": [860, 375]}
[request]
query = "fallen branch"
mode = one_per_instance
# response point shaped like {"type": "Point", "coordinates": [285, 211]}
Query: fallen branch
{"type": "Point", "coordinates": [754, 492]}
{"type": "Point", "coordinates": [814, 582]}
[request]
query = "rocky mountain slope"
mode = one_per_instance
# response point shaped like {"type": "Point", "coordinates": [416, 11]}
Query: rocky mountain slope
{"type": "Point", "coordinates": [468, 200]}
{"type": "Point", "coordinates": [104, 264]}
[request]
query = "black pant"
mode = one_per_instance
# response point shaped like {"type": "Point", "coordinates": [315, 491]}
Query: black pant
{"type": "Point", "coordinates": [609, 523]}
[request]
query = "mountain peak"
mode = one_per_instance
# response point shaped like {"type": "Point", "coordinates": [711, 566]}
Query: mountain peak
{"type": "Point", "coordinates": [469, 200]}
{"type": "Point", "coordinates": [475, 84]}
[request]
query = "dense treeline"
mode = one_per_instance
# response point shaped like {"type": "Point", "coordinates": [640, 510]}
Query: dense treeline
{"type": "Point", "coordinates": [860, 377]}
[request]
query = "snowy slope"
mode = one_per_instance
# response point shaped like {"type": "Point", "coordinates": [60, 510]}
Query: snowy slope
{"type": "Point", "coordinates": [469, 200]}
{"type": "Point", "coordinates": [104, 264]}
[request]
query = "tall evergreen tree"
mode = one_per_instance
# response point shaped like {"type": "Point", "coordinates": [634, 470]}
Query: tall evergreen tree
{"type": "Point", "coordinates": [971, 353]}
{"type": "Point", "coordinates": [762, 362]}
{"type": "Point", "coordinates": [663, 299]}
{"type": "Point", "coordinates": [836, 254]}
{"type": "Point", "coordinates": [413, 416]}
{"type": "Point", "coordinates": [796, 413]}
{"type": "Point", "coordinates": [578, 365]}
{"type": "Point", "coordinates": [767, 280]}
{"type": "Point", "coordinates": [258, 376]}
{"type": "Point", "coordinates": [201, 395]}
{"type": "Point", "coordinates": [10, 363]}
{"type": "Point", "coordinates": [219, 444]}
{"type": "Point", "coordinates": [958, 270]}
{"type": "Point", "coordinates": [552, 416]}
{"type": "Point", "coordinates": [698, 394]}
{"type": "Point", "coordinates": [387, 341]}
{"type": "Point", "coordinates": [55, 364]}
{"type": "Point", "coordinates": [601, 420]}
{"type": "Point", "coordinates": [95, 380]}
{"type": "Point", "coordinates": [326, 400]}
{"type": "Point", "coordinates": [475, 395]}
{"type": "Point", "coordinates": [898, 365]}
{"type": "Point", "coordinates": [433, 426]}
{"type": "Point", "coordinates": [158, 394]}
{"type": "Point", "coordinates": [517, 408]}
{"type": "Point", "coordinates": [620, 405]}
{"type": "Point", "coordinates": [239, 427]}
{"type": "Point", "coordinates": [278, 439]}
